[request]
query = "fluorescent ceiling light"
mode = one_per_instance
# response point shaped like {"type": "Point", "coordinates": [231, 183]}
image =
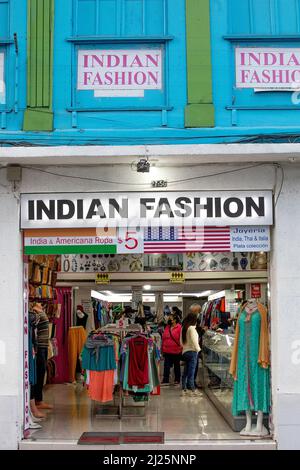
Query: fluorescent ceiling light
{"type": "Point", "coordinates": [205, 293]}
{"type": "Point", "coordinates": [147, 287]}
{"type": "Point", "coordinates": [218, 295]}
{"type": "Point", "coordinates": [127, 297]}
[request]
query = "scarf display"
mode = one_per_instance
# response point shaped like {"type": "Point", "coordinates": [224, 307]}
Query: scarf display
{"type": "Point", "coordinates": [264, 349]}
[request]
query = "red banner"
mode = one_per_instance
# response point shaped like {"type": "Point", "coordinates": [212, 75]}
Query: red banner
{"type": "Point", "coordinates": [255, 291]}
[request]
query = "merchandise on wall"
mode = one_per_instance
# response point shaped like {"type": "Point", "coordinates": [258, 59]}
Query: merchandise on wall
{"type": "Point", "coordinates": [225, 262]}
{"type": "Point", "coordinates": [88, 263]}
{"type": "Point", "coordinates": [163, 262]}
{"type": "Point", "coordinates": [192, 261]}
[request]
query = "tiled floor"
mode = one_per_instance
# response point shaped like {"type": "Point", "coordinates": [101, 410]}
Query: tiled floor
{"type": "Point", "coordinates": [180, 418]}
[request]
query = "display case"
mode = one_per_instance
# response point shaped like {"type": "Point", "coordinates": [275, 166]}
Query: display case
{"type": "Point", "coordinates": [216, 381]}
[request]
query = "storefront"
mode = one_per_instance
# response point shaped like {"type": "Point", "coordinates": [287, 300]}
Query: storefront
{"type": "Point", "coordinates": [95, 253]}
{"type": "Point", "coordinates": [281, 273]}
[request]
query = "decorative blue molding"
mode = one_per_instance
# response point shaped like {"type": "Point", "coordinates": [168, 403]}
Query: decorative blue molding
{"type": "Point", "coordinates": [261, 38]}
{"type": "Point", "coordinates": [119, 39]}
{"type": "Point", "coordinates": [120, 108]}
{"type": "Point", "coordinates": [263, 108]}
{"type": "Point", "coordinates": [4, 41]}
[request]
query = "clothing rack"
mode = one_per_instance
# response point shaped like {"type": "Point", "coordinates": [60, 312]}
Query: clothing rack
{"type": "Point", "coordinates": [102, 409]}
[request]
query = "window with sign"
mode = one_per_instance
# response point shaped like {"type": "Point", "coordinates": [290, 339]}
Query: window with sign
{"type": "Point", "coordinates": [126, 59]}
{"type": "Point", "coordinates": [257, 60]}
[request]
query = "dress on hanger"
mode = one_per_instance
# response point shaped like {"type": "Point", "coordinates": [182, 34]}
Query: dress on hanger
{"type": "Point", "coordinates": [252, 375]}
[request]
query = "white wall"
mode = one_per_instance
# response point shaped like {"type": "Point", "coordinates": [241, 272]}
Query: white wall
{"type": "Point", "coordinates": [285, 288]}
{"type": "Point", "coordinates": [285, 285]}
{"type": "Point", "coordinates": [11, 365]}
{"type": "Point", "coordinates": [125, 179]}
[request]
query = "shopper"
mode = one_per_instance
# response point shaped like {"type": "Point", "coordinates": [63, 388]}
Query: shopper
{"type": "Point", "coordinates": [191, 349]}
{"type": "Point", "coordinates": [36, 414]}
{"type": "Point", "coordinates": [178, 312]}
{"type": "Point", "coordinates": [200, 332]}
{"type": "Point", "coordinates": [41, 355]}
{"type": "Point", "coordinates": [172, 349]}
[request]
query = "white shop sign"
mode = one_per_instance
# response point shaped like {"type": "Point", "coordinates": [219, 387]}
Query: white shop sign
{"type": "Point", "coordinates": [119, 73]}
{"type": "Point", "coordinates": [149, 209]}
{"type": "Point", "coordinates": [2, 82]}
{"type": "Point", "coordinates": [267, 68]}
{"type": "Point", "coordinates": [250, 239]}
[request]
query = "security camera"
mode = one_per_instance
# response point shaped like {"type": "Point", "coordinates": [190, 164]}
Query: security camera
{"type": "Point", "coordinates": [143, 166]}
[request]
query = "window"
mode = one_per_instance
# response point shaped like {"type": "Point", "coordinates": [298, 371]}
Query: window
{"type": "Point", "coordinates": [127, 57]}
{"type": "Point", "coordinates": [256, 92]}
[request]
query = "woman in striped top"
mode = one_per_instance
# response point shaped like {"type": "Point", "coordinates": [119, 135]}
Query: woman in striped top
{"type": "Point", "coordinates": [41, 355]}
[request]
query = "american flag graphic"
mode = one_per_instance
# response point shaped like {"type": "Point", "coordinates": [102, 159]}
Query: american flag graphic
{"type": "Point", "coordinates": [186, 239]}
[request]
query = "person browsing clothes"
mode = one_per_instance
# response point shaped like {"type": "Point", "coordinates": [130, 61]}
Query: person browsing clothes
{"type": "Point", "coordinates": [171, 349]}
{"type": "Point", "coordinates": [190, 349]}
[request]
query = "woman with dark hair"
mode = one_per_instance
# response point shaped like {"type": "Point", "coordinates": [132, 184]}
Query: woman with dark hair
{"type": "Point", "coordinates": [190, 349]}
{"type": "Point", "coordinates": [171, 349]}
{"type": "Point", "coordinates": [176, 311]}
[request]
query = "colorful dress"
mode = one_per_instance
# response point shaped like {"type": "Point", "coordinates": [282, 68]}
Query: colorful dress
{"type": "Point", "coordinates": [252, 387]}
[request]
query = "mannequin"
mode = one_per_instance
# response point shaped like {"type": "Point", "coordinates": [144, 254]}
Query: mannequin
{"type": "Point", "coordinates": [250, 367]}
{"type": "Point", "coordinates": [81, 316]}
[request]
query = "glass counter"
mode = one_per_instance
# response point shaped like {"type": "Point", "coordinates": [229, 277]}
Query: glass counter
{"type": "Point", "coordinates": [216, 381]}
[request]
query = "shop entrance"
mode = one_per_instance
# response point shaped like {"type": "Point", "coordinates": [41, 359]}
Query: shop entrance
{"type": "Point", "coordinates": [122, 296]}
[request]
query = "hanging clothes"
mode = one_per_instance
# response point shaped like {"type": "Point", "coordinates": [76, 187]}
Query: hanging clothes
{"type": "Point", "coordinates": [62, 321]}
{"type": "Point", "coordinates": [76, 340]}
{"type": "Point", "coordinates": [138, 373]}
{"type": "Point", "coordinates": [250, 364]}
{"type": "Point", "coordinates": [101, 385]}
{"type": "Point", "coordinates": [98, 353]}
{"type": "Point", "coordinates": [99, 358]}
{"type": "Point", "coordinates": [149, 361]}
{"type": "Point", "coordinates": [32, 347]}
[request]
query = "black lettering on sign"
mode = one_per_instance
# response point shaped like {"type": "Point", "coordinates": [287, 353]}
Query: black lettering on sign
{"type": "Point", "coordinates": [208, 207]}
{"type": "Point", "coordinates": [114, 207]}
{"type": "Point", "coordinates": [218, 212]}
{"type": "Point", "coordinates": [31, 210]}
{"type": "Point", "coordinates": [145, 205]}
{"type": "Point", "coordinates": [80, 209]}
{"type": "Point", "coordinates": [42, 208]}
{"type": "Point", "coordinates": [65, 209]}
{"type": "Point", "coordinates": [185, 209]}
{"type": "Point", "coordinates": [164, 208]}
{"type": "Point", "coordinates": [96, 209]}
{"type": "Point", "coordinates": [228, 207]}
{"type": "Point", "coordinates": [252, 206]}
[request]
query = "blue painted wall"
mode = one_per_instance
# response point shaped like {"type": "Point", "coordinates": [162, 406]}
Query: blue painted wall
{"type": "Point", "coordinates": [79, 118]}
{"type": "Point", "coordinates": [118, 24]}
{"type": "Point", "coordinates": [255, 23]}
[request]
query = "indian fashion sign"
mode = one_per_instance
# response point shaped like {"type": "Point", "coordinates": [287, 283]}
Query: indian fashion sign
{"type": "Point", "coordinates": [120, 72]}
{"type": "Point", "coordinates": [148, 209]}
{"type": "Point", "coordinates": [267, 68]}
